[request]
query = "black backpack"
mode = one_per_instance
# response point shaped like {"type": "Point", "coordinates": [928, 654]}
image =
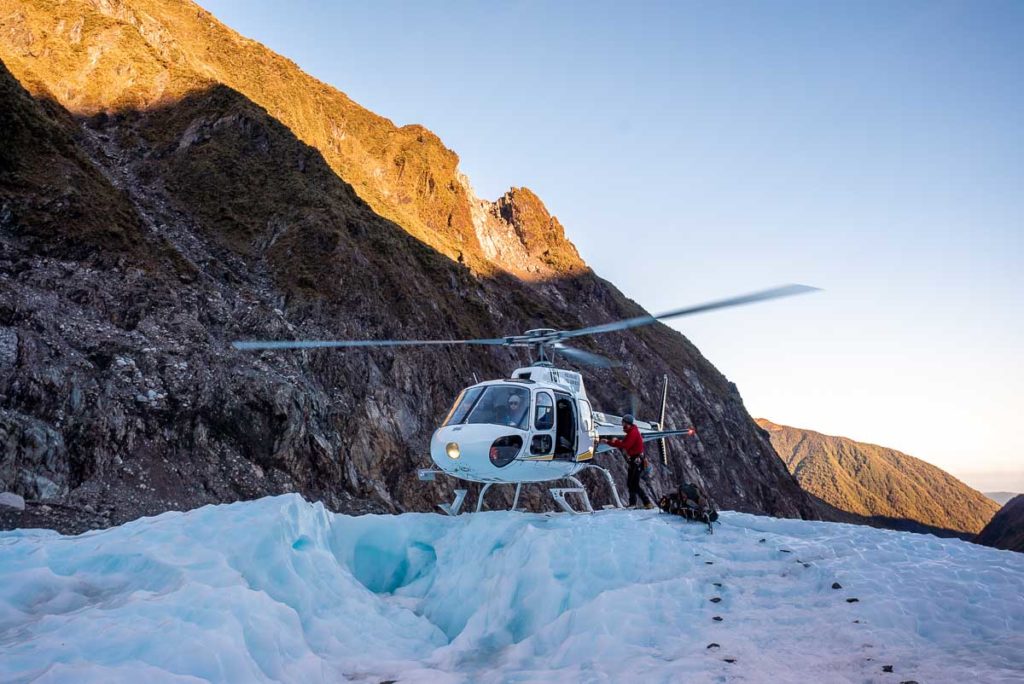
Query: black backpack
{"type": "Point", "coordinates": [690, 503]}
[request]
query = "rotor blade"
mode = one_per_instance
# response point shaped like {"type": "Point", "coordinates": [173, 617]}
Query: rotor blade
{"type": "Point", "coordinates": [584, 356]}
{"type": "Point", "coordinates": [648, 437]}
{"type": "Point", "coordinates": [331, 344]}
{"type": "Point", "coordinates": [774, 293]}
{"type": "Point", "coordinates": [662, 434]}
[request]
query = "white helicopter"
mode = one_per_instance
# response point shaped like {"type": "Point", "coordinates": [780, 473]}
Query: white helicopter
{"type": "Point", "coordinates": [538, 425]}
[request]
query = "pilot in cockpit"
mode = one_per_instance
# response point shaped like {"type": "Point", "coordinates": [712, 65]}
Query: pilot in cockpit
{"type": "Point", "coordinates": [512, 411]}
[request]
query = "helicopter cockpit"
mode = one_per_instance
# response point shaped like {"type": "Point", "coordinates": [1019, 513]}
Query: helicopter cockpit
{"type": "Point", "coordinates": [544, 419]}
{"type": "Point", "coordinates": [493, 404]}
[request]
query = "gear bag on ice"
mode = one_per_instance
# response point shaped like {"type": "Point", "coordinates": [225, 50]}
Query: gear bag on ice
{"type": "Point", "coordinates": [691, 503]}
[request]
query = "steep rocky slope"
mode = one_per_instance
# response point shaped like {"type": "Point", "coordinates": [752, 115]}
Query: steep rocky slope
{"type": "Point", "coordinates": [170, 186]}
{"type": "Point", "coordinates": [866, 483]}
{"type": "Point", "coordinates": [1006, 529]}
{"type": "Point", "coordinates": [109, 56]}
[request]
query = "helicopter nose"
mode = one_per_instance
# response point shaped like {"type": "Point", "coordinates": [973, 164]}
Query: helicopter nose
{"type": "Point", "coordinates": [474, 450]}
{"type": "Point", "coordinates": [452, 450]}
{"type": "Point", "coordinates": [444, 445]}
{"type": "Point", "coordinates": [456, 449]}
{"type": "Point", "coordinates": [446, 451]}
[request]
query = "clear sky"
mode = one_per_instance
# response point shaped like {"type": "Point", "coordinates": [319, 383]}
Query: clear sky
{"type": "Point", "coordinates": [695, 150]}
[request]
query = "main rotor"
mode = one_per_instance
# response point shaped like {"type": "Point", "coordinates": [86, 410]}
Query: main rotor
{"type": "Point", "coordinates": [540, 341]}
{"type": "Point", "coordinates": [544, 343]}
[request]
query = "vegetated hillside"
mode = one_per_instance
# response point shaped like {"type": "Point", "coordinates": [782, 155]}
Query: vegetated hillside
{"type": "Point", "coordinates": [1006, 529]}
{"type": "Point", "coordinates": [879, 486]}
{"type": "Point", "coordinates": [170, 186]}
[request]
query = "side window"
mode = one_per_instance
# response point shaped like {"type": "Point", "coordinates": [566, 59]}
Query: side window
{"type": "Point", "coordinates": [544, 418]}
{"type": "Point", "coordinates": [585, 416]}
{"type": "Point", "coordinates": [540, 445]}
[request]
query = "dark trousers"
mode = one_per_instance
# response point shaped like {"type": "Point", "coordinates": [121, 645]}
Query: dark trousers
{"type": "Point", "coordinates": [636, 469]}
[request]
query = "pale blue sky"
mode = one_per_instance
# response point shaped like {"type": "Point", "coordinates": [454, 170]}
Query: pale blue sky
{"type": "Point", "coordinates": [695, 150]}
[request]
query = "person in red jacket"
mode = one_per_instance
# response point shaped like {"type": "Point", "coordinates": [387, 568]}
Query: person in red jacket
{"type": "Point", "coordinates": [632, 445]}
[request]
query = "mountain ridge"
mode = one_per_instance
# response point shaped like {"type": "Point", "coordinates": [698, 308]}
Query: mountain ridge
{"type": "Point", "coordinates": [1001, 498]}
{"type": "Point", "coordinates": [877, 485]}
{"type": "Point", "coordinates": [405, 173]}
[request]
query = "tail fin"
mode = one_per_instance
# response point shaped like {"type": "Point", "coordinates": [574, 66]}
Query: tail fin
{"type": "Point", "coordinates": [662, 444]}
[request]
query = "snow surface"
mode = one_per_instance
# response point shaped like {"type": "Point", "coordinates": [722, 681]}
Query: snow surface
{"type": "Point", "coordinates": [282, 590]}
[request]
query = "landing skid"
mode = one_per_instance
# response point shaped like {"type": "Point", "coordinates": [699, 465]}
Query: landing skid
{"type": "Point", "coordinates": [454, 506]}
{"type": "Point", "coordinates": [557, 493]}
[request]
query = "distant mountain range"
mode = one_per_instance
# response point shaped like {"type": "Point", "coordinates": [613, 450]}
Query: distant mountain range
{"type": "Point", "coordinates": [1006, 529]}
{"type": "Point", "coordinates": [1001, 498]}
{"type": "Point", "coordinates": [870, 484]}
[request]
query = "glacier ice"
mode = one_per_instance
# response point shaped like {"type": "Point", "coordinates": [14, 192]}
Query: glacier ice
{"type": "Point", "coordinates": [280, 589]}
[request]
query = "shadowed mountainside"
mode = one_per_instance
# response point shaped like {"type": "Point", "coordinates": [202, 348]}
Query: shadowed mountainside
{"type": "Point", "coordinates": [106, 56]}
{"type": "Point", "coordinates": [1006, 529]}
{"type": "Point", "coordinates": [869, 484]}
{"type": "Point", "coordinates": [150, 214]}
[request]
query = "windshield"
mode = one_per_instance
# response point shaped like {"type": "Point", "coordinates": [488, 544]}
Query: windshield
{"type": "Point", "coordinates": [462, 405]}
{"type": "Point", "coordinates": [498, 405]}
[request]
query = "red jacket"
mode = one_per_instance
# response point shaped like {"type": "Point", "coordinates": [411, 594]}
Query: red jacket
{"type": "Point", "coordinates": [632, 443]}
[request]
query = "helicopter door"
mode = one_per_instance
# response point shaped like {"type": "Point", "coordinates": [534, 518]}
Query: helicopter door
{"type": "Point", "coordinates": [543, 441]}
{"type": "Point", "coordinates": [588, 434]}
{"type": "Point", "coordinates": [565, 427]}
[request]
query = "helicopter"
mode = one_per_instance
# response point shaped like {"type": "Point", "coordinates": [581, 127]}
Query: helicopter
{"type": "Point", "coordinates": [538, 425]}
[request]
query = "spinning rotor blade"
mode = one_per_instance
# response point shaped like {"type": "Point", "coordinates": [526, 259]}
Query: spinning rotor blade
{"type": "Point", "coordinates": [331, 344]}
{"type": "Point", "coordinates": [585, 356]}
{"type": "Point", "coordinates": [774, 293]}
{"type": "Point", "coordinates": [538, 339]}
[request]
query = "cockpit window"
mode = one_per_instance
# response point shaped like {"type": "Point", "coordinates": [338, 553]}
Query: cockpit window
{"type": "Point", "coordinates": [462, 405]}
{"type": "Point", "coordinates": [502, 405]}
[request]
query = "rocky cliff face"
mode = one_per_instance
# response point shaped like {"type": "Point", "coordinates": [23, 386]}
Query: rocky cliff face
{"type": "Point", "coordinates": [167, 186]}
{"type": "Point", "coordinates": [865, 483]}
{"type": "Point", "coordinates": [1006, 529]}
